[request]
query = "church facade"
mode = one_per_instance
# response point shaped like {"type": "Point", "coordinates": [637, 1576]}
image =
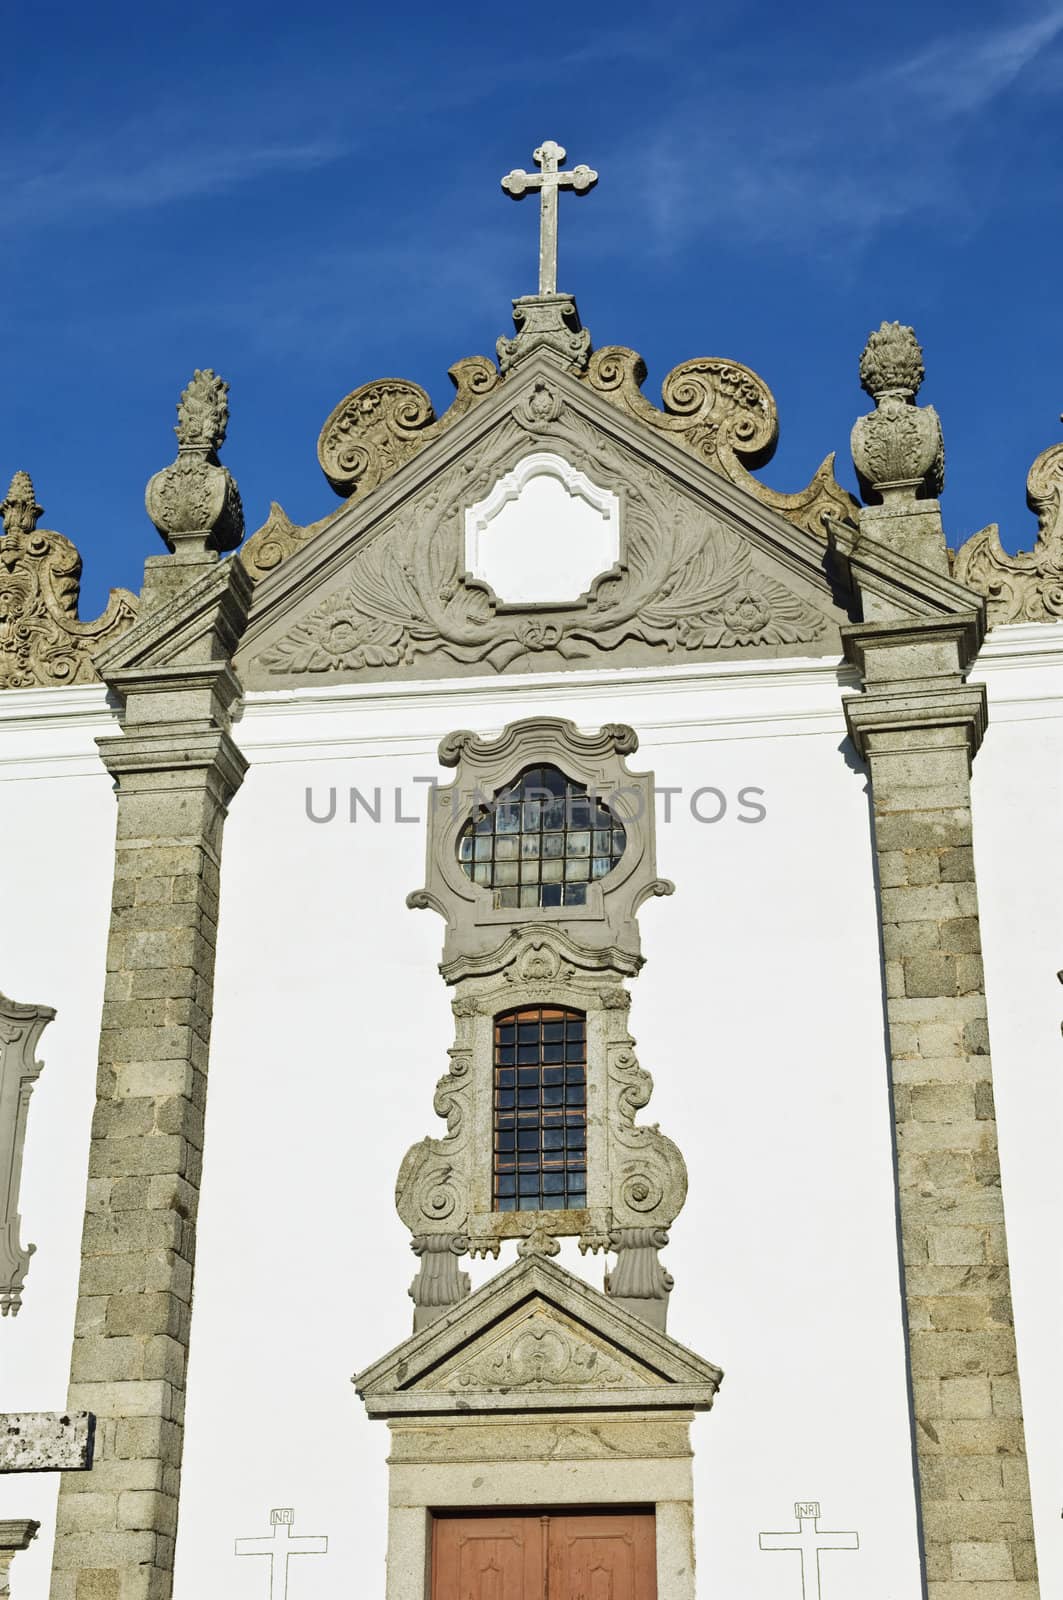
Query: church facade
{"type": "Point", "coordinates": [629, 887]}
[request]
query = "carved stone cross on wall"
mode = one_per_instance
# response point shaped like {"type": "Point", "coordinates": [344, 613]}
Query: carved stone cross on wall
{"type": "Point", "coordinates": [808, 1540]}
{"type": "Point", "coordinates": [518, 183]}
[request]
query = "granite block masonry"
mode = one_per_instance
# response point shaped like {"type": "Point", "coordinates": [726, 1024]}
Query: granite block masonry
{"type": "Point", "coordinates": [919, 725]}
{"type": "Point", "coordinates": [176, 767]}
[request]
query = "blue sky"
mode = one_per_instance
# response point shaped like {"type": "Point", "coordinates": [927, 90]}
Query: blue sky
{"type": "Point", "coordinates": [308, 198]}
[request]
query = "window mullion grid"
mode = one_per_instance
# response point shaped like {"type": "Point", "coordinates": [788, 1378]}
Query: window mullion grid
{"type": "Point", "coordinates": [540, 1110]}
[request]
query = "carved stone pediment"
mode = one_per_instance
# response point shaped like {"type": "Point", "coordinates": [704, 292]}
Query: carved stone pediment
{"type": "Point", "coordinates": [538, 1349]}
{"type": "Point", "coordinates": [536, 1337]}
{"type": "Point", "coordinates": [384, 591]}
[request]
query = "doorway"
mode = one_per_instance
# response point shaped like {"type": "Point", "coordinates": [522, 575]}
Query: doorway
{"type": "Point", "coordinates": [594, 1555]}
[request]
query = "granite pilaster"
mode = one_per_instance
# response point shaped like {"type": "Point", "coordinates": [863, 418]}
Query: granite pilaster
{"type": "Point", "coordinates": [176, 767]}
{"type": "Point", "coordinates": [919, 724]}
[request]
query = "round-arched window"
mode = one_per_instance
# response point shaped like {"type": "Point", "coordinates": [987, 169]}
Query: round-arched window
{"type": "Point", "coordinates": [541, 841]}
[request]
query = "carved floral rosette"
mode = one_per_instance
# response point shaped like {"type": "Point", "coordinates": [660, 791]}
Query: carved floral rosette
{"type": "Point", "coordinates": [685, 581]}
{"type": "Point", "coordinates": [1027, 587]}
{"type": "Point", "coordinates": [636, 1176]}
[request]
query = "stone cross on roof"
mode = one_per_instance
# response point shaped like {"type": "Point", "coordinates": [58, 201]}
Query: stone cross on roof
{"type": "Point", "coordinates": [518, 183]}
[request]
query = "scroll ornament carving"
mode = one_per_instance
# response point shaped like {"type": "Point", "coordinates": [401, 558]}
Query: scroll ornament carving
{"type": "Point", "coordinates": [612, 739]}
{"type": "Point", "coordinates": [194, 502]}
{"type": "Point", "coordinates": [725, 414]}
{"type": "Point", "coordinates": [687, 584]}
{"type": "Point", "coordinates": [648, 1173]}
{"type": "Point", "coordinates": [539, 966]}
{"type": "Point", "coordinates": [433, 1185]}
{"type": "Point", "coordinates": [20, 1028]}
{"type": "Point", "coordinates": [898, 449]}
{"type": "Point", "coordinates": [719, 410]}
{"type": "Point", "coordinates": [42, 642]}
{"type": "Point", "coordinates": [1027, 587]}
{"type": "Point", "coordinates": [379, 427]}
{"type": "Point", "coordinates": [278, 538]}
{"type": "Point", "coordinates": [540, 1354]}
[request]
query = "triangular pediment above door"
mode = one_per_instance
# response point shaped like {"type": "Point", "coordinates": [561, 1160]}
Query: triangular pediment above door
{"type": "Point", "coordinates": [537, 1338]}
{"type": "Point", "coordinates": [700, 567]}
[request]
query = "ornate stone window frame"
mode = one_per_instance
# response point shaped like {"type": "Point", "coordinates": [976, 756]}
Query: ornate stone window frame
{"type": "Point", "coordinates": [636, 1177]}
{"type": "Point", "coordinates": [573, 957]}
{"type": "Point", "coordinates": [476, 929]}
{"type": "Point", "coordinates": [20, 1029]}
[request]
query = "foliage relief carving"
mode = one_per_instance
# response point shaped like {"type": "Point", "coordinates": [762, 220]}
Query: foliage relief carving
{"type": "Point", "coordinates": [378, 428]}
{"type": "Point", "coordinates": [644, 1182]}
{"type": "Point", "coordinates": [42, 641]}
{"type": "Point", "coordinates": [1027, 587]}
{"type": "Point", "coordinates": [685, 583]}
{"type": "Point", "coordinates": [726, 415]}
{"type": "Point", "coordinates": [540, 1354]}
{"type": "Point", "coordinates": [278, 538]}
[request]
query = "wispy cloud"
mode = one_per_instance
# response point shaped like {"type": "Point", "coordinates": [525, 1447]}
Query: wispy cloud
{"type": "Point", "coordinates": [824, 171]}
{"type": "Point", "coordinates": [138, 167]}
{"type": "Point", "coordinates": [962, 73]}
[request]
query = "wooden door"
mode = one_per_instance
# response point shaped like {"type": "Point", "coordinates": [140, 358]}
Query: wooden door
{"type": "Point", "coordinates": [488, 1558]}
{"type": "Point", "coordinates": [604, 1557]}
{"type": "Point", "coordinates": [584, 1556]}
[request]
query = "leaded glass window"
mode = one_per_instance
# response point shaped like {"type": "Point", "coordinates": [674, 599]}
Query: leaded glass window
{"type": "Point", "coordinates": [540, 1110]}
{"type": "Point", "coordinates": [541, 842]}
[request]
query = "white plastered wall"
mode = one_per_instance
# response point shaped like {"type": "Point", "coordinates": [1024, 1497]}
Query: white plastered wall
{"type": "Point", "coordinates": [57, 815]}
{"type": "Point", "coordinates": [1018, 833]}
{"type": "Point", "coordinates": [760, 1016]}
